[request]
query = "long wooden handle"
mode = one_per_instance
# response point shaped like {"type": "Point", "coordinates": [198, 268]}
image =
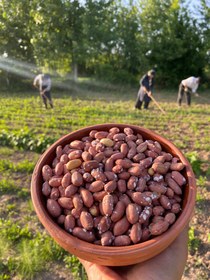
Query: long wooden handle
{"type": "Point", "coordinates": [156, 103]}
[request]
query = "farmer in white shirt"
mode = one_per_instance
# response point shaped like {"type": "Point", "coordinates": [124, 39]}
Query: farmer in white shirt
{"type": "Point", "coordinates": [43, 83]}
{"type": "Point", "coordinates": [187, 86]}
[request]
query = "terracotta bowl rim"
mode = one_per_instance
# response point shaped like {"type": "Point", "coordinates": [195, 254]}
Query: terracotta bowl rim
{"type": "Point", "coordinates": [58, 233]}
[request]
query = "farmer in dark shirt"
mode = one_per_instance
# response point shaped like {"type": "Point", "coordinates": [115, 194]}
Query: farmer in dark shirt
{"type": "Point", "coordinates": [43, 83]}
{"type": "Point", "coordinates": [145, 91]}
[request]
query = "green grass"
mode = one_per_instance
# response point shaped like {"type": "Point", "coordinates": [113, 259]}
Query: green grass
{"type": "Point", "coordinates": [27, 129]}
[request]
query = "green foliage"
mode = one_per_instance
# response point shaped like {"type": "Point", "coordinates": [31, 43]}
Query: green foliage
{"type": "Point", "coordinates": [10, 187]}
{"type": "Point", "coordinates": [194, 242]}
{"type": "Point", "coordinates": [75, 266]}
{"type": "Point", "coordinates": [22, 166]}
{"type": "Point", "coordinates": [201, 181]}
{"type": "Point", "coordinates": [195, 162]}
{"type": "Point", "coordinates": [25, 140]}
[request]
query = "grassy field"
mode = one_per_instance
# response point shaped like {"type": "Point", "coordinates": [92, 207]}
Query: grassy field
{"type": "Point", "coordinates": [27, 129]}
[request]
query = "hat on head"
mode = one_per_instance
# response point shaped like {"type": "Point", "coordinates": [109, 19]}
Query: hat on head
{"type": "Point", "coordinates": [151, 72]}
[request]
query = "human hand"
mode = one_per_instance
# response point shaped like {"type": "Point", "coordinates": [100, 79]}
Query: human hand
{"type": "Point", "coordinates": [149, 93]}
{"type": "Point", "coordinates": [168, 265]}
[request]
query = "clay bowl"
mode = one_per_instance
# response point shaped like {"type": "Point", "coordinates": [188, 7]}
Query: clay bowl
{"type": "Point", "coordinates": [104, 255]}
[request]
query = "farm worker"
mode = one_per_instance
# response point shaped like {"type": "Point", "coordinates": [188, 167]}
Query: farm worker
{"type": "Point", "coordinates": [187, 86]}
{"type": "Point", "coordinates": [145, 90]}
{"type": "Point", "coordinates": [43, 83]}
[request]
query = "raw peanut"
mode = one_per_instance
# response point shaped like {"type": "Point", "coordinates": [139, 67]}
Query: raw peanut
{"type": "Point", "coordinates": [76, 213]}
{"type": "Point", "coordinates": [178, 166]}
{"type": "Point", "coordinates": [132, 182]}
{"type": "Point", "coordinates": [157, 187]}
{"type": "Point", "coordinates": [94, 210]}
{"type": "Point", "coordinates": [128, 131]}
{"type": "Point", "coordinates": [77, 201]}
{"type": "Point", "coordinates": [86, 156]}
{"type": "Point", "coordinates": [77, 179]}
{"type": "Point", "coordinates": [110, 186]}
{"type": "Point", "coordinates": [158, 177]}
{"type": "Point", "coordinates": [107, 238]}
{"type": "Point", "coordinates": [169, 193]}
{"type": "Point", "coordinates": [145, 215]}
{"type": "Point", "coordinates": [109, 164]}
{"type": "Point", "coordinates": [70, 190]}
{"type": "Point", "coordinates": [83, 234]}
{"type": "Point", "coordinates": [55, 181]}
{"type": "Point", "coordinates": [46, 189]}
{"type": "Point", "coordinates": [98, 196]}
{"type": "Point", "coordinates": [164, 201]}
{"type": "Point", "coordinates": [131, 153]}
{"type": "Point", "coordinates": [114, 130]}
{"type": "Point", "coordinates": [111, 176]}
{"type": "Point", "coordinates": [168, 156]}
{"type": "Point", "coordinates": [93, 133]}
{"type": "Point", "coordinates": [178, 177]}
{"type": "Point", "coordinates": [131, 137]}
{"type": "Point", "coordinates": [175, 160]}
{"type": "Point", "coordinates": [157, 145]}
{"type": "Point", "coordinates": [117, 169]}
{"type": "Point", "coordinates": [151, 172]}
{"type": "Point", "coordinates": [66, 202]}
{"type": "Point", "coordinates": [89, 165]}
{"type": "Point", "coordinates": [141, 198]}
{"type": "Point", "coordinates": [124, 175]}
{"type": "Point", "coordinates": [54, 193]}
{"type": "Point", "coordinates": [98, 175]}
{"type": "Point", "coordinates": [74, 163]}
{"type": "Point", "coordinates": [121, 226]}
{"type": "Point", "coordinates": [119, 137]}
{"type": "Point", "coordinates": [124, 149]}
{"type": "Point", "coordinates": [117, 156]}
{"type": "Point", "coordinates": [64, 159]}
{"type": "Point", "coordinates": [100, 147]}
{"type": "Point", "coordinates": [125, 163]}
{"type": "Point", "coordinates": [174, 186]}
{"type": "Point", "coordinates": [108, 152]}
{"type": "Point", "coordinates": [107, 142]}
{"type": "Point", "coordinates": [132, 213]}
{"type": "Point", "coordinates": [59, 151]}
{"type": "Point", "coordinates": [96, 186]}
{"type": "Point", "coordinates": [66, 180]}
{"type": "Point", "coordinates": [138, 157]}
{"type": "Point", "coordinates": [96, 221]}
{"type": "Point", "coordinates": [176, 208]}
{"type": "Point", "coordinates": [159, 227]}
{"type": "Point", "coordinates": [53, 208]}
{"type": "Point", "coordinates": [125, 199]}
{"type": "Point", "coordinates": [87, 197]}
{"type": "Point", "coordinates": [60, 220]}
{"type": "Point", "coordinates": [151, 154]}
{"type": "Point", "coordinates": [75, 154]}
{"type": "Point", "coordinates": [141, 147]}
{"type": "Point", "coordinates": [69, 223]}
{"type": "Point", "coordinates": [121, 185]}
{"type": "Point", "coordinates": [86, 220]}
{"type": "Point", "coordinates": [99, 157]}
{"type": "Point", "coordinates": [122, 240]}
{"type": "Point", "coordinates": [61, 190]}
{"type": "Point", "coordinates": [104, 224]}
{"type": "Point", "coordinates": [160, 159]}
{"type": "Point", "coordinates": [77, 144]}
{"type": "Point", "coordinates": [158, 210]}
{"type": "Point", "coordinates": [118, 211]}
{"type": "Point", "coordinates": [141, 185]}
{"type": "Point", "coordinates": [156, 219]}
{"type": "Point", "coordinates": [159, 167]}
{"type": "Point", "coordinates": [59, 169]}
{"type": "Point", "coordinates": [87, 139]}
{"type": "Point", "coordinates": [170, 218]}
{"type": "Point", "coordinates": [117, 146]}
{"type": "Point", "coordinates": [55, 161]}
{"type": "Point", "coordinates": [92, 151]}
{"type": "Point", "coordinates": [88, 177]}
{"type": "Point", "coordinates": [177, 198]}
{"type": "Point", "coordinates": [110, 135]}
{"type": "Point", "coordinates": [145, 163]}
{"type": "Point", "coordinates": [101, 134]}
{"type": "Point", "coordinates": [135, 170]}
{"type": "Point", "coordinates": [108, 204]}
{"type": "Point", "coordinates": [145, 234]}
{"type": "Point", "coordinates": [135, 233]}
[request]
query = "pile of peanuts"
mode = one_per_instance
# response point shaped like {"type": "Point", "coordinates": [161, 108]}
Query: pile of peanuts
{"type": "Point", "coordinates": [113, 188]}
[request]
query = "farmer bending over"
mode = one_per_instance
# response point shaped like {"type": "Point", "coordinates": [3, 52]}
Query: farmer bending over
{"type": "Point", "coordinates": [43, 83]}
{"type": "Point", "coordinates": [145, 91]}
{"type": "Point", "coordinates": [188, 86]}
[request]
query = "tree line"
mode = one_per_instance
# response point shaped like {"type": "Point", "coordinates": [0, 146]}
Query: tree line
{"type": "Point", "coordinates": [108, 40]}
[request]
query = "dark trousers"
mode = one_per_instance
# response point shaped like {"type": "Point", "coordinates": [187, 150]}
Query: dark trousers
{"type": "Point", "coordinates": [146, 101]}
{"type": "Point", "coordinates": [181, 93]}
{"type": "Point", "coordinates": [45, 96]}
